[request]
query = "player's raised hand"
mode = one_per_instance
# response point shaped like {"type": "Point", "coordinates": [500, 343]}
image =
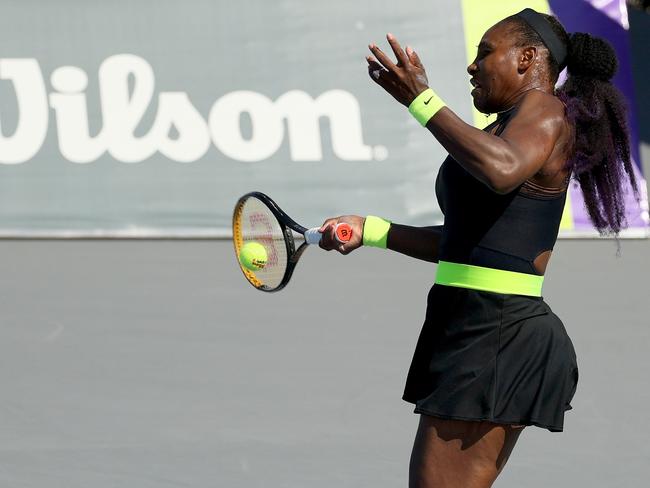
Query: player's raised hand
{"type": "Point", "coordinates": [329, 240]}
{"type": "Point", "coordinates": [405, 79]}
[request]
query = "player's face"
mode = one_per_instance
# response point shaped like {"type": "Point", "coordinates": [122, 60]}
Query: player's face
{"type": "Point", "coordinates": [494, 71]}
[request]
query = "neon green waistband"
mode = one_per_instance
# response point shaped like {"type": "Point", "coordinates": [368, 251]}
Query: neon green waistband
{"type": "Point", "coordinates": [488, 279]}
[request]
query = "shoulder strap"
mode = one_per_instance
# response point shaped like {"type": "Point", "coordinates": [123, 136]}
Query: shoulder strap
{"type": "Point", "coordinates": [501, 122]}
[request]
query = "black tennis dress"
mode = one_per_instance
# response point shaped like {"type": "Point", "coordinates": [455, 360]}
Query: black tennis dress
{"type": "Point", "coordinates": [483, 355]}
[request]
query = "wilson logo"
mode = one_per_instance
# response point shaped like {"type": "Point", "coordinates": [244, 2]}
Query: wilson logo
{"type": "Point", "coordinates": [179, 132]}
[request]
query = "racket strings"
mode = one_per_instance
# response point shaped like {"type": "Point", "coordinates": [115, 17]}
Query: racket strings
{"type": "Point", "coordinates": [254, 222]}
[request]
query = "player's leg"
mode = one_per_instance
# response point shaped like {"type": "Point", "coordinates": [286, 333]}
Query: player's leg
{"type": "Point", "coordinates": [455, 453]}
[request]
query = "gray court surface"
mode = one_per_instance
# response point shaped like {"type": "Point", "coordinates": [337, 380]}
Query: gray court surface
{"type": "Point", "coordinates": [154, 364]}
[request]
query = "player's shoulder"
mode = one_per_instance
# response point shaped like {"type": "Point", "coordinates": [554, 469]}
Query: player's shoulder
{"type": "Point", "coordinates": [543, 107]}
{"type": "Point", "coordinates": [538, 101]}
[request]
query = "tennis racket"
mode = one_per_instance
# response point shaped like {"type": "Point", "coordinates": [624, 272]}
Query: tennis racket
{"type": "Point", "coordinates": [257, 218]}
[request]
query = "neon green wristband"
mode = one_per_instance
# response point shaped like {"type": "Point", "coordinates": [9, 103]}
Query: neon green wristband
{"type": "Point", "coordinates": [375, 231]}
{"type": "Point", "coordinates": [425, 106]}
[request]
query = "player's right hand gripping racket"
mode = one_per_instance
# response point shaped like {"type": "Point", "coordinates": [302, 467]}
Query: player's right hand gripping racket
{"type": "Point", "coordinates": [257, 218]}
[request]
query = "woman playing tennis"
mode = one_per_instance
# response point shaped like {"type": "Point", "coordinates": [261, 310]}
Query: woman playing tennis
{"type": "Point", "coordinates": [492, 357]}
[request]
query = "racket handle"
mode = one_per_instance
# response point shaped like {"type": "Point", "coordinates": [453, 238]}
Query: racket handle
{"type": "Point", "coordinates": [343, 233]}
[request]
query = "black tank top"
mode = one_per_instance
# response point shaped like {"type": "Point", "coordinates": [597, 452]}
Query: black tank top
{"type": "Point", "coordinates": [485, 228]}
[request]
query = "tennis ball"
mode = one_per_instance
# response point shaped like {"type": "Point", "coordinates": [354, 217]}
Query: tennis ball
{"type": "Point", "coordinates": [253, 256]}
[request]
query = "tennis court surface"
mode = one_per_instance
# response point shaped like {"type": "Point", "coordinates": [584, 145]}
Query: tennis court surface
{"type": "Point", "coordinates": [154, 363]}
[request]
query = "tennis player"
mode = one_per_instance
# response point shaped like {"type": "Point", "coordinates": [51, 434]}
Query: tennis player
{"type": "Point", "coordinates": [492, 357]}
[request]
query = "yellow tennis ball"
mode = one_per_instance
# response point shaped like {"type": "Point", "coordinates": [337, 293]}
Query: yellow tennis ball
{"type": "Point", "coordinates": [253, 256]}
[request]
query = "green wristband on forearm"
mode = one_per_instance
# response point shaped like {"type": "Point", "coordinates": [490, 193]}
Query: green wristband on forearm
{"type": "Point", "coordinates": [425, 106]}
{"type": "Point", "coordinates": [375, 231]}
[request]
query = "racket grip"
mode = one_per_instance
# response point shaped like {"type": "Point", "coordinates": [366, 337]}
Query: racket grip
{"type": "Point", "coordinates": [343, 233]}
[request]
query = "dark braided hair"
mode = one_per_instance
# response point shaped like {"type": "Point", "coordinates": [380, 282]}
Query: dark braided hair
{"type": "Point", "coordinates": [597, 112]}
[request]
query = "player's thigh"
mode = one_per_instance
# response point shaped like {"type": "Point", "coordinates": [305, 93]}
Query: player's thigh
{"type": "Point", "coordinates": [454, 453]}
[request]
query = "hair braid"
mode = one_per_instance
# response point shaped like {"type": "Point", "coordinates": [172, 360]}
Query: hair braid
{"type": "Point", "coordinates": [600, 158]}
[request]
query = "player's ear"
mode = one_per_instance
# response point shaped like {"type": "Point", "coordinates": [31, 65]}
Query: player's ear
{"type": "Point", "coordinates": [527, 57]}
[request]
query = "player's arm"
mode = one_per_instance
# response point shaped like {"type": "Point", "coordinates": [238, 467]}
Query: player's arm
{"type": "Point", "coordinates": [504, 162]}
{"type": "Point", "coordinates": [501, 162]}
{"type": "Point", "coordinates": [416, 242]}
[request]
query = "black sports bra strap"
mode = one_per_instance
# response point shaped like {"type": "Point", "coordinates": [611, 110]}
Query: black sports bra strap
{"type": "Point", "coordinates": [501, 122]}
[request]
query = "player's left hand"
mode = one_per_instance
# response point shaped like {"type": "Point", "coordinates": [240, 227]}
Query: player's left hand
{"type": "Point", "coordinates": [404, 80]}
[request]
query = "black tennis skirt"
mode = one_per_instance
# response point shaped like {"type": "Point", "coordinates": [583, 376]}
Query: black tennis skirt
{"type": "Point", "coordinates": [491, 356]}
